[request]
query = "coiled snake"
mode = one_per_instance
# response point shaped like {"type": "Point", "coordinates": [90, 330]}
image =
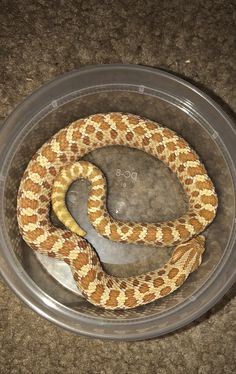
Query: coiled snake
{"type": "Point", "coordinates": [53, 168]}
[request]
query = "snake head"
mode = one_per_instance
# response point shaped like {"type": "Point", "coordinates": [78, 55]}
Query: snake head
{"type": "Point", "coordinates": [190, 253]}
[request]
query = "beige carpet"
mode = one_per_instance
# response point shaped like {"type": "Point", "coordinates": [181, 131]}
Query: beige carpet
{"type": "Point", "coordinates": [194, 39]}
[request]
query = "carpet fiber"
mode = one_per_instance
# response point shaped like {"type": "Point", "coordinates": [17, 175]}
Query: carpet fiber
{"type": "Point", "coordinates": [39, 41]}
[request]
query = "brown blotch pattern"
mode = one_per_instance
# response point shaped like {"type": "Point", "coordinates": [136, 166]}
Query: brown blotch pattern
{"type": "Point", "coordinates": [49, 242]}
{"type": "Point", "coordinates": [29, 203]}
{"type": "Point", "coordinates": [151, 234]}
{"type": "Point", "coordinates": [112, 301]}
{"type": "Point", "coordinates": [149, 297]}
{"type": "Point", "coordinates": [49, 153]}
{"type": "Point", "coordinates": [38, 169]}
{"type": "Point", "coordinates": [34, 234]}
{"type": "Point", "coordinates": [81, 260]}
{"type": "Point", "coordinates": [165, 291]}
{"type": "Point", "coordinates": [67, 248]}
{"type": "Point", "coordinates": [158, 282]}
{"type": "Point", "coordinates": [131, 300]}
{"type": "Point", "coordinates": [172, 273]}
{"type": "Point", "coordinates": [180, 280]}
{"type": "Point", "coordinates": [88, 278]}
{"type": "Point", "coordinates": [144, 288]}
{"type": "Point", "coordinates": [97, 294]}
{"type": "Point", "coordinates": [167, 234]}
{"type": "Point", "coordinates": [31, 186]}
{"type": "Point", "coordinates": [209, 199]}
{"type": "Point", "coordinates": [184, 233]}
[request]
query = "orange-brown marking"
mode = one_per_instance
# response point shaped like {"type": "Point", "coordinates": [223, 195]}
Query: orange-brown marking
{"type": "Point", "coordinates": [43, 198]}
{"type": "Point", "coordinates": [101, 226]}
{"type": "Point", "coordinates": [196, 224]}
{"type": "Point", "coordinates": [167, 234]}
{"type": "Point", "coordinates": [124, 229]}
{"type": "Point", "coordinates": [121, 126]}
{"type": "Point", "coordinates": [42, 211]}
{"type": "Point", "coordinates": [158, 282]}
{"type": "Point", "coordinates": [197, 170]}
{"type": "Point", "coordinates": [114, 134]}
{"type": "Point", "coordinates": [25, 219]}
{"type": "Point", "coordinates": [104, 125]}
{"type": "Point", "coordinates": [46, 185]}
{"type": "Point", "coordinates": [86, 140]}
{"type": "Point", "coordinates": [181, 168]}
{"type": "Point", "coordinates": [88, 278]}
{"type": "Point", "coordinates": [67, 248]}
{"type": "Point", "coordinates": [99, 135]}
{"type": "Point", "coordinates": [204, 185]}
{"type": "Point", "coordinates": [181, 143]}
{"type": "Point", "coordinates": [90, 129]}
{"type": "Point", "coordinates": [172, 157]}
{"type": "Point", "coordinates": [49, 242]}
{"type": "Point", "coordinates": [114, 233]}
{"type": "Point", "coordinates": [38, 169]}
{"type": "Point", "coordinates": [209, 199]}
{"type": "Point", "coordinates": [129, 136]}
{"type": "Point", "coordinates": [180, 280]}
{"type": "Point", "coordinates": [28, 203]}
{"type": "Point", "coordinates": [109, 283]}
{"type": "Point", "coordinates": [171, 146]}
{"type": "Point", "coordinates": [207, 214]}
{"type": "Point", "coordinates": [31, 186]}
{"type": "Point", "coordinates": [184, 157]}
{"type": "Point", "coordinates": [151, 126]}
{"type": "Point", "coordinates": [172, 273]}
{"type": "Point", "coordinates": [97, 294]}
{"type": "Point", "coordinates": [112, 301]}
{"type": "Point", "coordinates": [94, 260]}
{"type": "Point", "coordinates": [139, 130]}
{"type": "Point", "coordinates": [97, 118]}
{"type": "Point", "coordinates": [49, 153]}
{"type": "Point", "coordinates": [145, 141]}
{"type": "Point", "coordinates": [151, 234]}
{"type": "Point", "coordinates": [63, 158]}
{"type": "Point", "coordinates": [81, 260]}
{"type": "Point", "coordinates": [149, 297]}
{"type": "Point", "coordinates": [144, 288]}
{"type": "Point", "coordinates": [168, 133]}
{"type": "Point", "coordinates": [157, 137]}
{"type": "Point", "coordinates": [34, 234]}
{"type": "Point", "coordinates": [184, 233]}
{"type": "Point", "coordinates": [123, 285]}
{"type": "Point", "coordinates": [188, 181]}
{"type": "Point", "coordinates": [94, 203]}
{"type": "Point", "coordinates": [135, 234]}
{"type": "Point", "coordinates": [165, 291]}
{"type": "Point", "coordinates": [133, 120]}
{"type": "Point", "coordinates": [95, 215]}
{"type": "Point", "coordinates": [116, 117]}
{"type": "Point", "coordinates": [52, 171]}
{"type": "Point", "coordinates": [160, 148]}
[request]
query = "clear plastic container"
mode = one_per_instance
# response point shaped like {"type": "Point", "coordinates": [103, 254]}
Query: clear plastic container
{"type": "Point", "coordinates": [140, 188]}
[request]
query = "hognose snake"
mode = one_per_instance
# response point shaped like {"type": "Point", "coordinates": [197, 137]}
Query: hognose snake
{"type": "Point", "coordinates": [53, 168]}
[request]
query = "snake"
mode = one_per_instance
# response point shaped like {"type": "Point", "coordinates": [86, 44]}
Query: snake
{"type": "Point", "coordinates": [57, 163]}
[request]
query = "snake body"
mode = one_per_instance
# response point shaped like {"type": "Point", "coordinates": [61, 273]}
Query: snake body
{"type": "Point", "coordinates": [54, 167]}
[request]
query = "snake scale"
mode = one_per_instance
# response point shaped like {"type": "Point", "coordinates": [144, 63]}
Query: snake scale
{"type": "Point", "coordinates": [56, 164]}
